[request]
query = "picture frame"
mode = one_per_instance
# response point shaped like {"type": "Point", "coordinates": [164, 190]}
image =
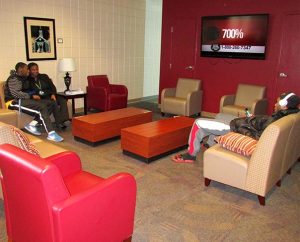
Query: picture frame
{"type": "Point", "coordinates": [40, 38]}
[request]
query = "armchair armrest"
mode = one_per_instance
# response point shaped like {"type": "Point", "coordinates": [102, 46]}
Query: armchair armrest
{"type": "Point", "coordinates": [168, 92]}
{"type": "Point", "coordinates": [226, 100]}
{"type": "Point", "coordinates": [194, 102]}
{"type": "Point", "coordinates": [67, 162]}
{"type": "Point", "coordinates": [107, 208]}
{"type": "Point", "coordinates": [259, 106]}
{"type": "Point", "coordinates": [121, 89]}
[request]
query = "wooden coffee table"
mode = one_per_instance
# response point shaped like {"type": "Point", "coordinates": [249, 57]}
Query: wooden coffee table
{"type": "Point", "coordinates": [150, 141]}
{"type": "Point", "coordinates": [93, 128]}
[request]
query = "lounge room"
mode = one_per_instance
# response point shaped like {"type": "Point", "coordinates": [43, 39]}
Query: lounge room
{"type": "Point", "coordinates": [113, 177]}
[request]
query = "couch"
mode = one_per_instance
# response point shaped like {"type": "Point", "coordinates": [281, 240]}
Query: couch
{"type": "Point", "coordinates": [276, 151]}
{"type": "Point", "coordinates": [16, 118]}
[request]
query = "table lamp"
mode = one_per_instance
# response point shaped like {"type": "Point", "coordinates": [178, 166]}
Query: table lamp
{"type": "Point", "coordinates": [66, 65]}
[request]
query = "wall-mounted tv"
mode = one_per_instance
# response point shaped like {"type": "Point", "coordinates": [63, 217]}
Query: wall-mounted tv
{"type": "Point", "coordinates": [234, 36]}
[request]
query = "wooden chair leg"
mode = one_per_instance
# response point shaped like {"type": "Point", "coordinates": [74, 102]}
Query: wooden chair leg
{"type": "Point", "coordinates": [262, 200]}
{"type": "Point", "coordinates": [207, 182]}
{"type": "Point", "coordinates": [289, 171]}
{"type": "Point", "coordinates": [278, 183]}
{"type": "Point", "coordinates": [128, 239]}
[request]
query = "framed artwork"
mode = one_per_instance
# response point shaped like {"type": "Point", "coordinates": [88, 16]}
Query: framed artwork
{"type": "Point", "coordinates": [40, 38]}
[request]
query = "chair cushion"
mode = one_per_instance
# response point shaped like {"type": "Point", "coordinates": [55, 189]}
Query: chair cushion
{"type": "Point", "coordinates": [24, 142]}
{"type": "Point", "coordinates": [12, 135]}
{"type": "Point", "coordinates": [237, 143]}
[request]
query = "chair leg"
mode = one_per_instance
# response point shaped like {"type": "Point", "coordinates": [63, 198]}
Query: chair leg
{"type": "Point", "coordinates": [278, 183]}
{"type": "Point", "coordinates": [289, 171]}
{"type": "Point", "coordinates": [128, 239]}
{"type": "Point", "coordinates": [262, 200]}
{"type": "Point", "coordinates": [207, 182]}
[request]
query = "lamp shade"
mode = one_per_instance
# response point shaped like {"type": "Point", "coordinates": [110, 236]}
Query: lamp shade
{"type": "Point", "coordinates": [66, 65]}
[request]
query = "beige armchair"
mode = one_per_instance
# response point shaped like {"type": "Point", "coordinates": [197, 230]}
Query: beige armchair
{"type": "Point", "coordinates": [247, 96]}
{"type": "Point", "coordinates": [257, 174]}
{"type": "Point", "coordinates": [185, 99]}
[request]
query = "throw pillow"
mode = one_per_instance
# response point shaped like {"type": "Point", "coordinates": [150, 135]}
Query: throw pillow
{"type": "Point", "coordinates": [24, 142]}
{"type": "Point", "coordinates": [237, 143]}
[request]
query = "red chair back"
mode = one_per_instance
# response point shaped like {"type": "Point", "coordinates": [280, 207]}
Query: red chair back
{"type": "Point", "coordinates": [98, 81]}
{"type": "Point", "coordinates": [31, 186]}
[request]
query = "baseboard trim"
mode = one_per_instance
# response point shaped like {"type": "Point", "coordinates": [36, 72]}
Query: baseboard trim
{"type": "Point", "coordinates": [142, 99]}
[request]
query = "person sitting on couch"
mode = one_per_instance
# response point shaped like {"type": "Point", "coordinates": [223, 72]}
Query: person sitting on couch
{"type": "Point", "coordinates": [287, 103]}
{"type": "Point", "coordinates": [44, 89]}
{"type": "Point", "coordinates": [18, 97]}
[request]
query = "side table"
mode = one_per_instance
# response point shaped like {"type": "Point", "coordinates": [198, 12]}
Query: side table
{"type": "Point", "coordinates": [73, 97]}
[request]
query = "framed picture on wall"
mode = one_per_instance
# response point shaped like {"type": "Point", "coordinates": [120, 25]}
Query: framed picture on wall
{"type": "Point", "coordinates": [40, 38]}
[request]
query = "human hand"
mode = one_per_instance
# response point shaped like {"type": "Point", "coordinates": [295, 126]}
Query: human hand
{"type": "Point", "coordinates": [53, 97]}
{"type": "Point", "coordinates": [36, 97]}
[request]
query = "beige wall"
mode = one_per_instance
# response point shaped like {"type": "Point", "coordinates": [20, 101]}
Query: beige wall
{"type": "Point", "coordinates": [104, 37]}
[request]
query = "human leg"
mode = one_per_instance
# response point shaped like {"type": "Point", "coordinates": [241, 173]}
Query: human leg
{"type": "Point", "coordinates": [40, 110]}
{"type": "Point", "coordinates": [63, 107]}
{"type": "Point", "coordinates": [201, 128]}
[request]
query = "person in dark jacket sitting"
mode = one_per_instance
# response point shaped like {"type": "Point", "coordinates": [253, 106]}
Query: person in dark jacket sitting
{"type": "Point", "coordinates": [44, 89]}
{"type": "Point", "coordinates": [287, 103]}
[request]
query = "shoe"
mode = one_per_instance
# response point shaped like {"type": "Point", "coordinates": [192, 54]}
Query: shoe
{"type": "Point", "coordinates": [61, 126]}
{"type": "Point", "coordinates": [53, 136]}
{"type": "Point", "coordinates": [184, 158]}
{"type": "Point", "coordinates": [32, 129]}
{"type": "Point", "coordinates": [67, 123]}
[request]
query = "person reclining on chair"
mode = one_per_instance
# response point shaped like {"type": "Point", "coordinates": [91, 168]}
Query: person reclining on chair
{"type": "Point", "coordinates": [287, 103]}
{"type": "Point", "coordinates": [19, 97]}
{"type": "Point", "coordinates": [44, 89]}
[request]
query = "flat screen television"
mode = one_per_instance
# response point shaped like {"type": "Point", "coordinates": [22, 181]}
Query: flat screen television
{"type": "Point", "coordinates": [234, 36]}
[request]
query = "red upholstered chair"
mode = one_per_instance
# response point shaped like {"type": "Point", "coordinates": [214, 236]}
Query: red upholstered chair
{"type": "Point", "coordinates": [104, 96]}
{"type": "Point", "coordinates": [52, 199]}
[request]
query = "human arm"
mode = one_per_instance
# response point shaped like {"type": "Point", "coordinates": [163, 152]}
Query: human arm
{"type": "Point", "coordinates": [16, 89]}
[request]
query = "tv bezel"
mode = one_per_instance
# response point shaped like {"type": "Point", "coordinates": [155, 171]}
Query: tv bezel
{"type": "Point", "coordinates": [234, 55]}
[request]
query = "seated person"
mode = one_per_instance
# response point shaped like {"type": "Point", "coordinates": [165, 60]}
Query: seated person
{"type": "Point", "coordinates": [287, 103]}
{"type": "Point", "coordinates": [44, 89]}
{"type": "Point", "coordinates": [18, 97]}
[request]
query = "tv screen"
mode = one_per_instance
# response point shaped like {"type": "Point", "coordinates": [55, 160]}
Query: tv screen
{"type": "Point", "coordinates": [235, 36]}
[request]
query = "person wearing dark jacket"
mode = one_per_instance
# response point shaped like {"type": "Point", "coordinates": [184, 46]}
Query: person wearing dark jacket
{"type": "Point", "coordinates": [18, 97]}
{"type": "Point", "coordinates": [287, 103]}
{"type": "Point", "coordinates": [44, 89]}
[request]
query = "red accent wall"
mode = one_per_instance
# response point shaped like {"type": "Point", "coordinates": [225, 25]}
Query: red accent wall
{"type": "Point", "coordinates": [221, 76]}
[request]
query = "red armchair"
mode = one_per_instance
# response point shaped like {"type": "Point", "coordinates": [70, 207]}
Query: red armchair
{"type": "Point", "coordinates": [52, 199]}
{"type": "Point", "coordinates": [104, 96]}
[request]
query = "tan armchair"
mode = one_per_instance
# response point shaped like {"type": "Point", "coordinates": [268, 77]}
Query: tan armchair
{"type": "Point", "coordinates": [185, 99]}
{"type": "Point", "coordinates": [247, 96]}
{"type": "Point", "coordinates": [257, 174]}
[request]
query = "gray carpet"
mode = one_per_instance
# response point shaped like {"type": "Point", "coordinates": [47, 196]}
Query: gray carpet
{"type": "Point", "coordinates": [174, 205]}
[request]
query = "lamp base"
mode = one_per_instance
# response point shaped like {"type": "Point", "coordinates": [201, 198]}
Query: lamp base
{"type": "Point", "coordinates": [67, 79]}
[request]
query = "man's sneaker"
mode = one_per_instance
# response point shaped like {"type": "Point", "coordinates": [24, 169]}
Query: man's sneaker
{"type": "Point", "coordinates": [32, 129]}
{"type": "Point", "coordinates": [54, 137]}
